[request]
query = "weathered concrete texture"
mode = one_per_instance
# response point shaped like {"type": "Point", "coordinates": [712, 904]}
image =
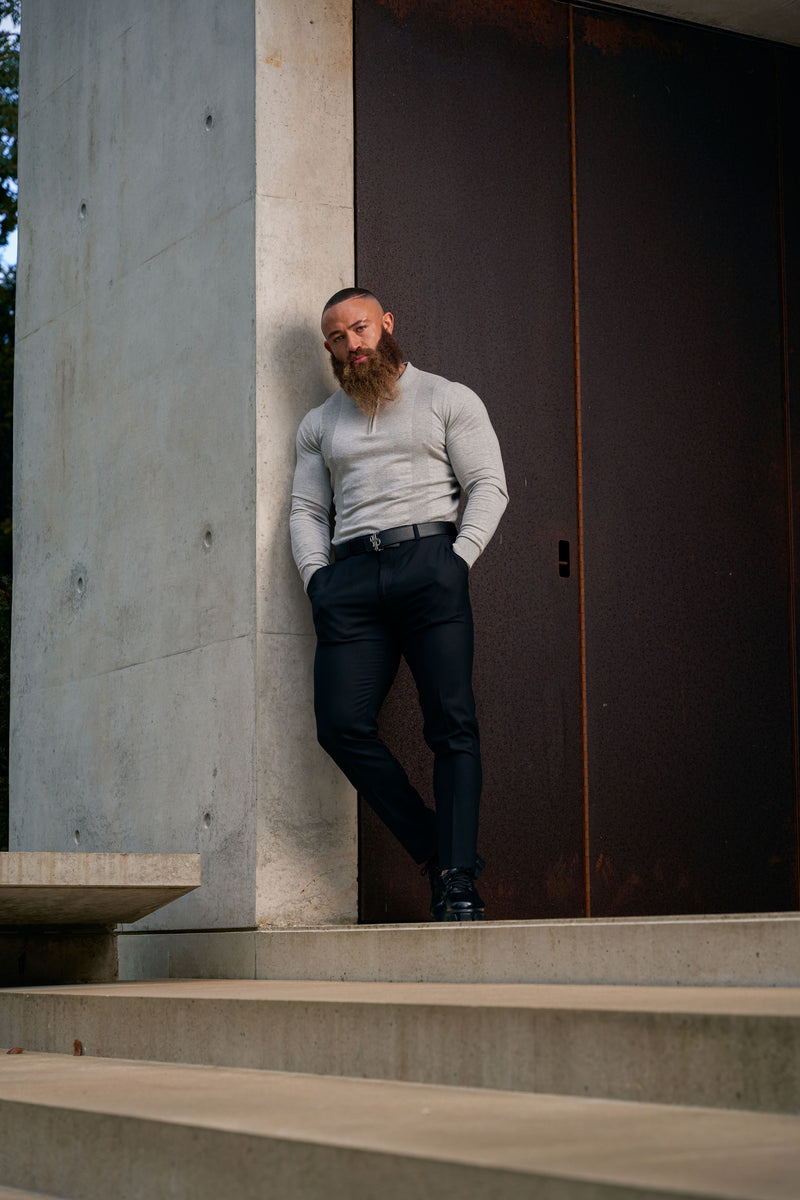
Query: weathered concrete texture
{"type": "Point", "coordinates": [92, 889]}
{"type": "Point", "coordinates": [137, 441]}
{"type": "Point", "coordinates": [762, 950]}
{"type": "Point", "coordinates": [777, 20]}
{"type": "Point", "coordinates": [736, 1048]}
{"type": "Point", "coordinates": [306, 844]}
{"type": "Point", "coordinates": [148, 758]}
{"type": "Point", "coordinates": [306, 852]}
{"type": "Point", "coordinates": [134, 643]}
{"type": "Point", "coordinates": [204, 1132]}
{"type": "Point", "coordinates": [172, 262]}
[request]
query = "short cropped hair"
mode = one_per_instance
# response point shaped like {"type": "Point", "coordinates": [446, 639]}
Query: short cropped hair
{"type": "Point", "coordinates": [350, 293]}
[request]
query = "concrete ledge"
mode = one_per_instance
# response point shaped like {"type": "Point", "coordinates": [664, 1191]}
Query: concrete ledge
{"type": "Point", "coordinates": [38, 888]}
{"type": "Point", "coordinates": [735, 1048]}
{"type": "Point", "coordinates": [207, 1132]}
{"type": "Point", "coordinates": [58, 911]}
{"type": "Point", "coordinates": [761, 950]}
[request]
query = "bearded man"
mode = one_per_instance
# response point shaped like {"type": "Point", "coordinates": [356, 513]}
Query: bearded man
{"type": "Point", "coordinates": [391, 451]}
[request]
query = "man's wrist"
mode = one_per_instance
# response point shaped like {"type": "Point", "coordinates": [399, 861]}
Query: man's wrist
{"type": "Point", "coordinates": [466, 549]}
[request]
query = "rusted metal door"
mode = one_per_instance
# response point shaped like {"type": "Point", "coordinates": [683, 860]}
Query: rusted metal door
{"type": "Point", "coordinates": [463, 197]}
{"type": "Point", "coordinates": [633, 669]}
{"type": "Point", "coordinates": [688, 632]}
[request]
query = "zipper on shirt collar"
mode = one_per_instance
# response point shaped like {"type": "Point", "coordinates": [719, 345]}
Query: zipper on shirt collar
{"type": "Point", "coordinates": [373, 416]}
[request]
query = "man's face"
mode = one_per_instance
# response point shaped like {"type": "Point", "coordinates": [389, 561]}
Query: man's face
{"type": "Point", "coordinates": [353, 327]}
{"type": "Point", "coordinates": [367, 362]}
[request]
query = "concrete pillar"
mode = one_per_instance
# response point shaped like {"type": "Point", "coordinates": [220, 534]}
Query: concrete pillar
{"type": "Point", "coordinates": [185, 208]}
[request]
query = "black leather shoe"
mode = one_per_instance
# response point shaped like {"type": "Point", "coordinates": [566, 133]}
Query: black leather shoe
{"type": "Point", "coordinates": [431, 869]}
{"type": "Point", "coordinates": [461, 901]}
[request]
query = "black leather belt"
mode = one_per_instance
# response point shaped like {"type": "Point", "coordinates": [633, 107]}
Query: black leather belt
{"type": "Point", "coordinates": [388, 538]}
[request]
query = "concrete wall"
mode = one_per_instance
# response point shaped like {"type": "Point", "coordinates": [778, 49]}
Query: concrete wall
{"type": "Point", "coordinates": [304, 250]}
{"type": "Point", "coordinates": [185, 208]}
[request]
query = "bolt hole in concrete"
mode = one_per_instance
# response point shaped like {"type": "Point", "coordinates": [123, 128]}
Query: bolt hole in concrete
{"type": "Point", "coordinates": [77, 580]}
{"type": "Point", "coordinates": [209, 120]}
{"type": "Point", "coordinates": [82, 210]}
{"type": "Point", "coordinates": [207, 819]}
{"type": "Point", "coordinates": [207, 539]}
{"type": "Point", "coordinates": [77, 837]}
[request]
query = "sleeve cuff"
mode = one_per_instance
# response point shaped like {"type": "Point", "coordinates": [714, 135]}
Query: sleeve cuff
{"type": "Point", "coordinates": [466, 549]}
{"type": "Point", "coordinates": [309, 571]}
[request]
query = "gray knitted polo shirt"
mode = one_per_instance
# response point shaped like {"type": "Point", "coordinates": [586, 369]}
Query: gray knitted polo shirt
{"type": "Point", "coordinates": [406, 464]}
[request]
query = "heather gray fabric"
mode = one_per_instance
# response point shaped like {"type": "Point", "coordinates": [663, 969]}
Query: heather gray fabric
{"type": "Point", "coordinates": [407, 464]}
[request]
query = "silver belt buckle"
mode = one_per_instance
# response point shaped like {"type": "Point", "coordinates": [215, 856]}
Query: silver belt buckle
{"type": "Point", "coordinates": [375, 541]}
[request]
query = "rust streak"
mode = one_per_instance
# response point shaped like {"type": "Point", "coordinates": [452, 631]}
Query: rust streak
{"type": "Point", "coordinates": [526, 21]}
{"type": "Point", "coordinates": [612, 34]}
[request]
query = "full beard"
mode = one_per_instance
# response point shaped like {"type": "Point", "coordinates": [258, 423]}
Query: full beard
{"type": "Point", "coordinates": [371, 382]}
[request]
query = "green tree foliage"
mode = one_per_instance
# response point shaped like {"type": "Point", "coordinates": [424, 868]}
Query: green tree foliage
{"type": "Point", "coordinates": [8, 288]}
{"type": "Point", "coordinates": [9, 104]}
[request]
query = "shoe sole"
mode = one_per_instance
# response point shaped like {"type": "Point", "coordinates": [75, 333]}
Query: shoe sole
{"type": "Point", "coordinates": [464, 916]}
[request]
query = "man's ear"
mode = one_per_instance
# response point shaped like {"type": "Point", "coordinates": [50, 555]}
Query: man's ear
{"type": "Point", "coordinates": [387, 321]}
{"type": "Point", "coordinates": [327, 347]}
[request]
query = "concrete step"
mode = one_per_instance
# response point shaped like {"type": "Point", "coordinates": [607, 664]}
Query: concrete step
{"type": "Point", "coordinates": [94, 1128]}
{"type": "Point", "coordinates": [17, 1194]}
{"type": "Point", "coordinates": [760, 950]}
{"type": "Point", "coordinates": [736, 1048]}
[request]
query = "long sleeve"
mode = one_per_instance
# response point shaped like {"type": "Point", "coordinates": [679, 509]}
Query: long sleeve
{"type": "Point", "coordinates": [474, 453]}
{"type": "Point", "coordinates": [312, 496]}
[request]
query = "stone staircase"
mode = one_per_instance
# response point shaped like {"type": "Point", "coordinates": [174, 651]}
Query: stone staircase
{"type": "Point", "coordinates": [385, 1086]}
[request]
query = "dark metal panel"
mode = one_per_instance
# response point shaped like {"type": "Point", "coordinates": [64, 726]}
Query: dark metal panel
{"type": "Point", "coordinates": [686, 533]}
{"type": "Point", "coordinates": [463, 201]}
{"type": "Point", "coordinates": [788, 68]}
